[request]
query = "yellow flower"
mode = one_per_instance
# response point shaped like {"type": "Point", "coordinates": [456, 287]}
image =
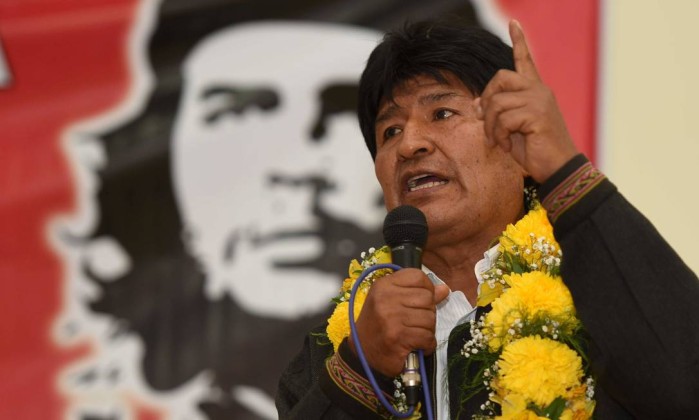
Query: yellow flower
{"type": "Point", "coordinates": [529, 295]}
{"type": "Point", "coordinates": [338, 323]}
{"type": "Point", "coordinates": [524, 415]}
{"type": "Point", "coordinates": [347, 284]}
{"type": "Point", "coordinates": [514, 407]}
{"type": "Point", "coordinates": [528, 236]}
{"type": "Point", "coordinates": [487, 293]}
{"type": "Point", "coordinates": [355, 269]}
{"type": "Point", "coordinates": [534, 222]}
{"type": "Point", "coordinates": [580, 414]}
{"type": "Point", "coordinates": [569, 414]}
{"type": "Point", "coordinates": [512, 404]}
{"type": "Point", "coordinates": [538, 369]}
{"type": "Point", "coordinates": [579, 407]}
{"type": "Point", "coordinates": [382, 255]}
{"type": "Point", "coordinates": [537, 292]}
{"type": "Point", "coordinates": [379, 256]}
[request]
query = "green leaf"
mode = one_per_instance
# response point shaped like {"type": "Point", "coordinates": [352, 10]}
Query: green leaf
{"type": "Point", "coordinates": [514, 263]}
{"type": "Point", "coordinates": [553, 411]}
{"type": "Point", "coordinates": [321, 338]}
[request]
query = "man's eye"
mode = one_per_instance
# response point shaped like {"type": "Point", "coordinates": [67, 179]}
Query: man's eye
{"type": "Point", "coordinates": [443, 114]}
{"type": "Point", "coordinates": [390, 132]}
{"type": "Point", "coordinates": [225, 100]}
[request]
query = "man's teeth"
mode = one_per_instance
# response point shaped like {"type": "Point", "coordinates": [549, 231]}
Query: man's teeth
{"type": "Point", "coordinates": [427, 185]}
{"type": "Point", "coordinates": [415, 185]}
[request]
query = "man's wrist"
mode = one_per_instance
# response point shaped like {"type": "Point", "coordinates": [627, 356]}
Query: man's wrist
{"type": "Point", "coordinates": [572, 193]}
{"type": "Point", "coordinates": [347, 385]}
{"type": "Point", "coordinates": [557, 178]}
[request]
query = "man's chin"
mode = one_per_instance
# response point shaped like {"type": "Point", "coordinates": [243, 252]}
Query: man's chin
{"type": "Point", "coordinates": [432, 207]}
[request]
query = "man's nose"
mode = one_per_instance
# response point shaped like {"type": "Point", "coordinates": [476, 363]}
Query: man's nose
{"type": "Point", "coordinates": [415, 141]}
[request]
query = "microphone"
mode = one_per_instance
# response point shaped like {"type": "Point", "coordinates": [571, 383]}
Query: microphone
{"type": "Point", "coordinates": [405, 232]}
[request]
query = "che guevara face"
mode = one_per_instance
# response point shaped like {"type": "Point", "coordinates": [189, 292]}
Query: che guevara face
{"type": "Point", "coordinates": [268, 162]}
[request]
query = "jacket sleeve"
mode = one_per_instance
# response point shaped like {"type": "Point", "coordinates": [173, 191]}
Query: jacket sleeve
{"type": "Point", "coordinates": [635, 296]}
{"type": "Point", "coordinates": [320, 384]}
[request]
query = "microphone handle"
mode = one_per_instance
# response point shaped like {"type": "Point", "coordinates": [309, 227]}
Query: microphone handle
{"type": "Point", "coordinates": [409, 255]}
{"type": "Point", "coordinates": [411, 379]}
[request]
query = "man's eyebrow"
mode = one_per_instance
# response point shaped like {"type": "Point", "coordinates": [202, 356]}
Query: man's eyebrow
{"type": "Point", "coordinates": [387, 113]}
{"type": "Point", "coordinates": [245, 93]}
{"type": "Point", "coordinates": [436, 97]}
{"type": "Point", "coordinates": [423, 100]}
{"type": "Point", "coordinates": [335, 98]}
{"type": "Point", "coordinates": [237, 99]}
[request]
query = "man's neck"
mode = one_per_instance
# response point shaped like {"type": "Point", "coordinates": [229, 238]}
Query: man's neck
{"type": "Point", "coordinates": [455, 265]}
{"type": "Point", "coordinates": [453, 257]}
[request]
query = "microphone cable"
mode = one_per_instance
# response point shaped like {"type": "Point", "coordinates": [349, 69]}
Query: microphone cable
{"type": "Point", "coordinates": [365, 364]}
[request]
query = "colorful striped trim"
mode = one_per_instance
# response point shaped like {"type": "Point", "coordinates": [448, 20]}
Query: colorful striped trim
{"type": "Point", "coordinates": [571, 190]}
{"type": "Point", "coordinates": [353, 384]}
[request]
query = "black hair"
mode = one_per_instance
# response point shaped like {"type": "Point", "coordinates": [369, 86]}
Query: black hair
{"type": "Point", "coordinates": [428, 48]}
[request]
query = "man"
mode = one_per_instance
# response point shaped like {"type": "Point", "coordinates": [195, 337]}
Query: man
{"type": "Point", "coordinates": [454, 126]}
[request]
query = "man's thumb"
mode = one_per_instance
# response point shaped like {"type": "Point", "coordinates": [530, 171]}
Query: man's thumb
{"type": "Point", "coordinates": [441, 291]}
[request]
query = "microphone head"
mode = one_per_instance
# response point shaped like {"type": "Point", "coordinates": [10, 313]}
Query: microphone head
{"type": "Point", "coordinates": [405, 224]}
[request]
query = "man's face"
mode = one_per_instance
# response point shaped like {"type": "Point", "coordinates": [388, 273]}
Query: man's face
{"type": "Point", "coordinates": [266, 154]}
{"type": "Point", "coordinates": [431, 154]}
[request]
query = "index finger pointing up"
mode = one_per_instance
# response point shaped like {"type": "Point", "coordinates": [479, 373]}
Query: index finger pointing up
{"type": "Point", "coordinates": [524, 63]}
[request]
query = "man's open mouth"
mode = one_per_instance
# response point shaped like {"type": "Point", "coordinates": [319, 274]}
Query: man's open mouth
{"type": "Point", "coordinates": [421, 182]}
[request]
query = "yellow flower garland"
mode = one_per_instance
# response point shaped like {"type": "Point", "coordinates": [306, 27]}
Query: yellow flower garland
{"type": "Point", "coordinates": [538, 369]}
{"type": "Point", "coordinates": [529, 295]}
{"type": "Point", "coordinates": [530, 341]}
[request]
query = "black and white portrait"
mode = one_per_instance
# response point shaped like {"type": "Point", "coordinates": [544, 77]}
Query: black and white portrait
{"type": "Point", "coordinates": [220, 204]}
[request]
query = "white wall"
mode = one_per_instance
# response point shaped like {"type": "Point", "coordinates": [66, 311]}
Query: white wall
{"type": "Point", "coordinates": [650, 113]}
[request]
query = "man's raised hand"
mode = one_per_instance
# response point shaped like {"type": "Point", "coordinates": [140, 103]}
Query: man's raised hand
{"type": "Point", "coordinates": [520, 115]}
